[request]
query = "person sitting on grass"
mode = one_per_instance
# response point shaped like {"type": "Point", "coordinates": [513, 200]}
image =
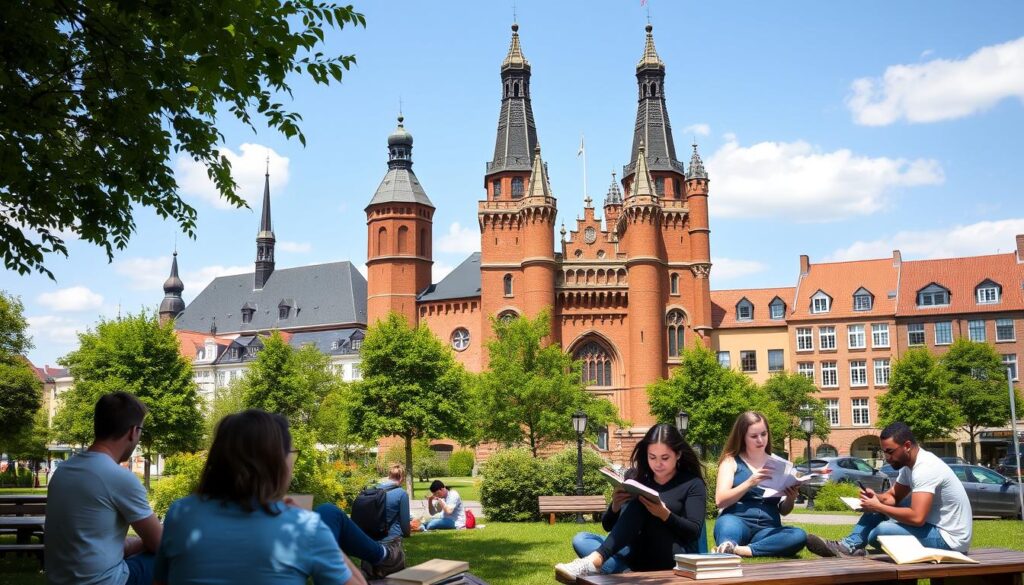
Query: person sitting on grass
{"type": "Point", "coordinates": [448, 504]}
{"type": "Point", "coordinates": [938, 515]}
{"type": "Point", "coordinates": [644, 535]}
{"type": "Point", "coordinates": [750, 524]}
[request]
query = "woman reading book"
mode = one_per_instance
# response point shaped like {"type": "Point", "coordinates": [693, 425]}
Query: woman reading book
{"type": "Point", "coordinates": [644, 534]}
{"type": "Point", "coordinates": [750, 524]}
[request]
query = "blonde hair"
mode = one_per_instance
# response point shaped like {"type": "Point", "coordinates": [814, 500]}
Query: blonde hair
{"type": "Point", "coordinates": [396, 472]}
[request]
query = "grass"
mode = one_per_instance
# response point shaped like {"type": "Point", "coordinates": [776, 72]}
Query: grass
{"type": "Point", "coordinates": [525, 553]}
{"type": "Point", "coordinates": [468, 487]}
{"type": "Point", "coordinates": [41, 490]}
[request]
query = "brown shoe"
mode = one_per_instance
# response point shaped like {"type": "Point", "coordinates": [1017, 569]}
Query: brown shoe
{"type": "Point", "coordinates": [832, 548]}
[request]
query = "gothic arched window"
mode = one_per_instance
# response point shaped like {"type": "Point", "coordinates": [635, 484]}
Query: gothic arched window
{"type": "Point", "coordinates": [382, 241]}
{"type": "Point", "coordinates": [507, 316]}
{"type": "Point", "coordinates": [597, 364]}
{"type": "Point", "coordinates": [508, 285]}
{"type": "Point", "coordinates": [675, 326]}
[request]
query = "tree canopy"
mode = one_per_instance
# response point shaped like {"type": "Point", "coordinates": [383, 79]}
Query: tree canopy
{"type": "Point", "coordinates": [977, 385]}
{"type": "Point", "coordinates": [919, 396]}
{"type": "Point", "coordinates": [96, 96]}
{"type": "Point", "coordinates": [795, 395]}
{"type": "Point", "coordinates": [532, 388]}
{"type": "Point", "coordinates": [20, 389]}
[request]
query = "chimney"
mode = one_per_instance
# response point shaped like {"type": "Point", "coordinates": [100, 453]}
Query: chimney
{"type": "Point", "coordinates": [1020, 248]}
{"type": "Point", "coordinates": [897, 259]}
{"type": "Point", "coordinates": [805, 264]}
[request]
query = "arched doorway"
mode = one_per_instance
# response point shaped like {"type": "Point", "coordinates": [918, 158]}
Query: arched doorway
{"type": "Point", "coordinates": [866, 447]}
{"type": "Point", "coordinates": [826, 450]}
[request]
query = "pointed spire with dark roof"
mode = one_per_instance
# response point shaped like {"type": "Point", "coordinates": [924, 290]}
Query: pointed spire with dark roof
{"type": "Point", "coordinates": [400, 183]}
{"type": "Point", "coordinates": [265, 238]}
{"type": "Point", "coordinates": [614, 196]}
{"type": "Point", "coordinates": [643, 185]}
{"type": "Point", "coordinates": [652, 123]}
{"type": "Point", "coordinates": [650, 58]}
{"type": "Point", "coordinates": [172, 305]}
{"type": "Point", "coordinates": [696, 170]}
{"type": "Point", "coordinates": [517, 134]}
{"type": "Point", "coordinates": [539, 185]}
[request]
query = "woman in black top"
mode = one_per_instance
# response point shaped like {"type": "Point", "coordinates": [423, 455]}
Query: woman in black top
{"type": "Point", "coordinates": [645, 535]}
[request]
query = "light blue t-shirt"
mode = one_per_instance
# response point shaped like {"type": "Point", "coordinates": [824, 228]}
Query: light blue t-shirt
{"type": "Point", "coordinates": [454, 500]}
{"type": "Point", "coordinates": [89, 505]}
{"type": "Point", "coordinates": [208, 541]}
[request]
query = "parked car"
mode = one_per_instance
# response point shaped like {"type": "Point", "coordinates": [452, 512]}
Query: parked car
{"type": "Point", "coordinates": [889, 472]}
{"type": "Point", "coordinates": [843, 469]}
{"type": "Point", "coordinates": [954, 460]}
{"type": "Point", "coordinates": [1007, 466]}
{"type": "Point", "coordinates": [990, 493]}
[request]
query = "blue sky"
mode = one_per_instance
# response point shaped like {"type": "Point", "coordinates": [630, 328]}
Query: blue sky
{"type": "Point", "coordinates": [841, 131]}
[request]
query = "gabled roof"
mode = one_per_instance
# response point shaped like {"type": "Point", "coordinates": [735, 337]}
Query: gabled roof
{"type": "Point", "coordinates": [323, 294]}
{"type": "Point", "coordinates": [189, 342]}
{"type": "Point", "coordinates": [461, 283]}
{"type": "Point", "coordinates": [840, 280]}
{"type": "Point", "coordinates": [723, 307]}
{"type": "Point", "coordinates": [960, 276]}
{"type": "Point", "coordinates": [324, 340]}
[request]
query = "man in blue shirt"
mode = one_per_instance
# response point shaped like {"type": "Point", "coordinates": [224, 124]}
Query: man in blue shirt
{"type": "Point", "coordinates": [397, 513]}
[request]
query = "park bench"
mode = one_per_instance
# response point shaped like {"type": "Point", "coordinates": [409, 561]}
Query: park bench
{"type": "Point", "coordinates": [571, 504]}
{"type": "Point", "coordinates": [995, 567]}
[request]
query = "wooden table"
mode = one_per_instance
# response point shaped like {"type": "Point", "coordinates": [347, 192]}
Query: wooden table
{"type": "Point", "coordinates": [804, 572]}
{"type": "Point", "coordinates": [22, 498]}
{"type": "Point", "coordinates": [471, 579]}
{"type": "Point", "coordinates": [25, 526]}
{"type": "Point", "coordinates": [998, 567]}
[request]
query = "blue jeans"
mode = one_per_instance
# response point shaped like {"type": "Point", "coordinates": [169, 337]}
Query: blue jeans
{"type": "Point", "coordinates": [872, 525]}
{"type": "Point", "coordinates": [758, 524]}
{"type": "Point", "coordinates": [351, 538]}
{"type": "Point", "coordinates": [585, 543]}
{"type": "Point", "coordinates": [440, 524]}
{"type": "Point", "coordinates": [140, 569]}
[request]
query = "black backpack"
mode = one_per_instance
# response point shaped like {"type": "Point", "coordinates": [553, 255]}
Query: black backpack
{"type": "Point", "coordinates": [369, 511]}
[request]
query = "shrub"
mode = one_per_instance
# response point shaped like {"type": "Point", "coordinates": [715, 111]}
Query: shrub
{"type": "Point", "coordinates": [560, 474]}
{"type": "Point", "coordinates": [460, 464]}
{"type": "Point", "coordinates": [513, 479]}
{"type": "Point", "coordinates": [711, 478]}
{"type": "Point", "coordinates": [827, 498]}
{"type": "Point", "coordinates": [181, 477]}
{"type": "Point", "coordinates": [425, 462]}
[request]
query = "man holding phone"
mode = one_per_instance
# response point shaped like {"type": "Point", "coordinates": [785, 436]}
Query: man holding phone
{"type": "Point", "coordinates": [938, 514]}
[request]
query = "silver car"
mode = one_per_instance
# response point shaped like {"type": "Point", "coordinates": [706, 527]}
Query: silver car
{"type": "Point", "coordinates": [843, 469]}
{"type": "Point", "coordinates": [990, 493]}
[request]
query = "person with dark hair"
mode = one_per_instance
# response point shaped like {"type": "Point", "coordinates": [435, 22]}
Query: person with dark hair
{"type": "Point", "coordinates": [937, 512]}
{"type": "Point", "coordinates": [750, 524]}
{"type": "Point", "coordinates": [237, 526]}
{"type": "Point", "coordinates": [644, 535]}
{"type": "Point", "coordinates": [446, 502]}
{"type": "Point", "coordinates": [93, 500]}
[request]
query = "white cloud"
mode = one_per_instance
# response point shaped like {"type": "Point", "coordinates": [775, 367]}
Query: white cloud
{"type": "Point", "coordinates": [698, 129]}
{"type": "Point", "coordinates": [729, 268]}
{"type": "Point", "coordinates": [440, 270]}
{"type": "Point", "coordinates": [248, 169]}
{"type": "Point", "coordinates": [985, 237]}
{"type": "Point", "coordinates": [295, 247]}
{"type": "Point", "coordinates": [72, 299]}
{"type": "Point", "coordinates": [459, 240]}
{"type": "Point", "coordinates": [940, 89]}
{"type": "Point", "coordinates": [796, 180]}
{"type": "Point", "coordinates": [149, 274]}
{"type": "Point", "coordinates": [54, 330]}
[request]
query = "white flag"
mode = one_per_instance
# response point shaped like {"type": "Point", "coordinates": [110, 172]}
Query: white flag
{"type": "Point", "coordinates": [580, 151]}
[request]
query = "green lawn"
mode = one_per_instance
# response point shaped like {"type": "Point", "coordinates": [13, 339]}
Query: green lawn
{"type": "Point", "coordinates": [468, 487]}
{"type": "Point", "coordinates": [525, 554]}
{"type": "Point", "coordinates": [41, 490]}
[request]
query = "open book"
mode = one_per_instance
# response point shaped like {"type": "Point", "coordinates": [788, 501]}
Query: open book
{"type": "Point", "coordinates": [629, 485]}
{"type": "Point", "coordinates": [783, 476]}
{"type": "Point", "coordinates": [853, 503]}
{"type": "Point", "coordinates": [905, 549]}
{"type": "Point", "coordinates": [428, 573]}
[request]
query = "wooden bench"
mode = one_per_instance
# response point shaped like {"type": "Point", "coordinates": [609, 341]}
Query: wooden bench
{"type": "Point", "coordinates": [571, 504]}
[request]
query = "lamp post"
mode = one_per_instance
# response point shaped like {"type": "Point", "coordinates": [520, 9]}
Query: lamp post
{"type": "Point", "coordinates": [579, 424]}
{"type": "Point", "coordinates": [683, 422]}
{"type": "Point", "coordinates": [1016, 439]}
{"type": "Point", "coordinates": [807, 424]}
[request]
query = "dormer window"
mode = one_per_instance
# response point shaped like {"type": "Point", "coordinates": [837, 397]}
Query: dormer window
{"type": "Point", "coordinates": [247, 313]}
{"type": "Point", "coordinates": [356, 344]}
{"type": "Point", "coordinates": [234, 353]}
{"type": "Point", "coordinates": [932, 295]}
{"type": "Point", "coordinates": [744, 310]}
{"type": "Point", "coordinates": [777, 309]}
{"type": "Point", "coordinates": [284, 309]}
{"type": "Point", "coordinates": [988, 293]}
{"type": "Point", "coordinates": [336, 344]}
{"type": "Point", "coordinates": [821, 303]}
{"type": "Point", "coordinates": [863, 300]}
{"type": "Point", "coordinates": [201, 354]}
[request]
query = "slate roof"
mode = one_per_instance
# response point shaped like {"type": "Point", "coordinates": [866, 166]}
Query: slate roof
{"type": "Point", "coordinates": [331, 342]}
{"type": "Point", "coordinates": [400, 185]}
{"type": "Point", "coordinates": [323, 294]}
{"type": "Point", "coordinates": [960, 276]}
{"type": "Point", "coordinates": [461, 283]}
{"type": "Point", "coordinates": [723, 307]}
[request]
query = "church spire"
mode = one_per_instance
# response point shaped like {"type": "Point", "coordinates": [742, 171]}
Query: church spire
{"type": "Point", "coordinates": [172, 305]}
{"type": "Point", "coordinates": [614, 196]}
{"type": "Point", "coordinates": [643, 187]}
{"type": "Point", "coordinates": [517, 135]}
{"type": "Point", "coordinates": [652, 124]}
{"type": "Point", "coordinates": [265, 238]}
{"type": "Point", "coordinates": [696, 170]}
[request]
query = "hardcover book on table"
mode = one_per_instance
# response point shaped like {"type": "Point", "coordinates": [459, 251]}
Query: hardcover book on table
{"type": "Point", "coordinates": [905, 550]}
{"type": "Point", "coordinates": [432, 572]}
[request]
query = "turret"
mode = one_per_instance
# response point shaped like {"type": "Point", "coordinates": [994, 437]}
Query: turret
{"type": "Point", "coordinates": [700, 242]}
{"type": "Point", "coordinates": [172, 305]}
{"type": "Point", "coordinates": [265, 239]}
{"type": "Point", "coordinates": [612, 204]}
{"type": "Point", "coordinates": [538, 214]}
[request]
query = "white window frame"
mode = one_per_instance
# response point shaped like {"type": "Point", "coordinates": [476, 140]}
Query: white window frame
{"type": "Point", "coordinates": [744, 306]}
{"type": "Point", "coordinates": [1010, 359]}
{"type": "Point", "coordinates": [777, 310]}
{"type": "Point", "coordinates": [976, 332]}
{"type": "Point", "coordinates": [987, 294]}
{"type": "Point", "coordinates": [912, 329]}
{"type": "Point", "coordinates": [804, 339]}
{"type": "Point", "coordinates": [821, 303]}
{"type": "Point", "coordinates": [830, 374]}
{"type": "Point", "coordinates": [860, 405]}
{"type": "Point", "coordinates": [883, 369]}
{"type": "Point", "coordinates": [832, 411]}
{"type": "Point", "coordinates": [826, 337]}
{"type": "Point", "coordinates": [782, 365]}
{"type": "Point", "coordinates": [862, 302]}
{"type": "Point", "coordinates": [460, 339]}
{"type": "Point", "coordinates": [855, 337]}
{"type": "Point", "coordinates": [947, 338]}
{"type": "Point", "coordinates": [879, 331]}
{"type": "Point", "coordinates": [930, 296]}
{"type": "Point", "coordinates": [1006, 323]}
{"type": "Point", "coordinates": [858, 373]}
{"type": "Point", "coordinates": [728, 359]}
{"type": "Point", "coordinates": [806, 369]}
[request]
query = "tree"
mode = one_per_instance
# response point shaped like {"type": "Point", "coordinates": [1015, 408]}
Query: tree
{"type": "Point", "coordinates": [14, 341]}
{"type": "Point", "coordinates": [412, 387]}
{"type": "Point", "coordinates": [20, 389]}
{"type": "Point", "coordinates": [918, 396]}
{"type": "Point", "coordinates": [96, 96]}
{"type": "Point", "coordinates": [226, 400]}
{"type": "Point", "coordinates": [532, 388]}
{"type": "Point", "coordinates": [140, 356]}
{"type": "Point", "coordinates": [977, 385]}
{"type": "Point", "coordinates": [713, 396]}
{"type": "Point", "coordinates": [795, 396]}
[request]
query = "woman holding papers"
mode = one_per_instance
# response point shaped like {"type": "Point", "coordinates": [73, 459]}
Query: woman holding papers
{"type": "Point", "coordinates": [645, 534]}
{"type": "Point", "coordinates": [750, 524]}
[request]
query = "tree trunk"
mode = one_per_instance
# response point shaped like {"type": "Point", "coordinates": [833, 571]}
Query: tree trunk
{"type": "Point", "coordinates": [973, 433]}
{"type": "Point", "coordinates": [408, 466]}
{"type": "Point", "coordinates": [791, 455]}
{"type": "Point", "coordinates": [145, 472]}
{"type": "Point", "coordinates": [533, 444]}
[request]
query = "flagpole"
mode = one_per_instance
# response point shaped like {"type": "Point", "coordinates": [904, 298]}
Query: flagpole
{"type": "Point", "coordinates": [583, 151]}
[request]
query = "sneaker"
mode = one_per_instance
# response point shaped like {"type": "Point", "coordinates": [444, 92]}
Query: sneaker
{"type": "Point", "coordinates": [832, 548]}
{"type": "Point", "coordinates": [576, 568]}
{"type": "Point", "coordinates": [728, 547]}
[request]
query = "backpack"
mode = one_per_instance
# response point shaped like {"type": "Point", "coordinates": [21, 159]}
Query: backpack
{"type": "Point", "coordinates": [470, 519]}
{"type": "Point", "coordinates": [369, 511]}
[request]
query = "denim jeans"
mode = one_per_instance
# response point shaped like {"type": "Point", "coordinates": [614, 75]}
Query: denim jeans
{"type": "Point", "coordinates": [140, 569]}
{"type": "Point", "coordinates": [765, 536]}
{"type": "Point", "coordinates": [440, 524]}
{"type": "Point", "coordinates": [872, 525]}
{"type": "Point", "coordinates": [585, 543]}
{"type": "Point", "coordinates": [351, 538]}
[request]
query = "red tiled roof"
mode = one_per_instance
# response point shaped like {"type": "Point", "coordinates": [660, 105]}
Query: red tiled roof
{"type": "Point", "coordinates": [961, 276]}
{"type": "Point", "coordinates": [723, 306]}
{"type": "Point", "coordinates": [840, 280]}
{"type": "Point", "coordinates": [190, 341]}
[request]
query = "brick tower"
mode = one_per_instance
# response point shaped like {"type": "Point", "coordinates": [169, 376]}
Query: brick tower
{"type": "Point", "coordinates": [399, 226]}
{"type": "Point", "coordinates": [700, 244]}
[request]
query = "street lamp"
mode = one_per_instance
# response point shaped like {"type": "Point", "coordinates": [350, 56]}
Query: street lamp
{"type": "Point", "coordinates": [807, 424]}
{"type": "Point", "coordinates": [579, 424]}
{"type": "Point", "coordinates": [1016, 438]}
{"type": "Point", "coordinates": [682, 421]}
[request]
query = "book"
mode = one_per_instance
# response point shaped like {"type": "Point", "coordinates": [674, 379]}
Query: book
{"type": "Point", "coordinates": [629, 485]}
{"type": "Point", "coordinates": [304, 501]}
{"type": "Point", "coordinates": [853, 503]}
{"type": "Point", "coordinates": [429, 573]}
{"type": "Point", "coordinates": [711, 560]}
{"type": "Point", "coordinates": [705, 574]}
{"type": "Point", "coordinates": [783, 476]}
{"type": "Point", "coordinates": [905, 549]}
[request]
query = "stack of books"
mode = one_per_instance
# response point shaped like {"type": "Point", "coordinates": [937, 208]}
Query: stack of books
{"type": "Point", "coordinates": [708, 566]}
{"type": "Point", "coordinates": [433, 572]}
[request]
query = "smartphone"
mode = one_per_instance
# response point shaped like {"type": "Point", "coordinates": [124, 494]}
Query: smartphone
{"type": "Point", "coordinates": [860, 484]}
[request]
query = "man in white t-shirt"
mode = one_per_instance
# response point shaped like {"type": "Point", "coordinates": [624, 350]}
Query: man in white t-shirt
{"type": "Point", "coordinates": [938, 515]}
{"type": "Point", "coordinates": [93, 500]}
{"type": "Point", "coordinates": [449, 504]}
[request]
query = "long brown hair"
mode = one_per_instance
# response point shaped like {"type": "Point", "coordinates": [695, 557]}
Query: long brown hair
{"type": "Point", "coordinates": [670, 436]}
{"type": "Point", "coordinates": [247, 463]}
{"type": "Point", "coordinates": [736, 443]}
